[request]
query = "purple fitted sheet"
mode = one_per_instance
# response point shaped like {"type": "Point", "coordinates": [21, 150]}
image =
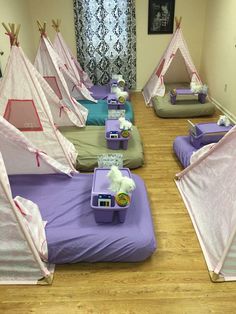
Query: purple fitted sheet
{"type": "Point", "coordinates": [101, 91]}
{"type": "Point", "coordinates": [183, 149]}
{"type": "Point", "coordinates": [71, 231]}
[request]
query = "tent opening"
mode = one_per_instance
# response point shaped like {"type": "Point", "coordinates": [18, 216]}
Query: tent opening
{"type": "Point", "coordinates": [52, 82]}
{"type": "Point", "coordinates": [177, 71]}
{"type": "Point", "coordinates": [23, 115]}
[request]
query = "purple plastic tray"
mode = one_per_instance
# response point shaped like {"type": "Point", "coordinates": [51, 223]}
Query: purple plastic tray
{"type": "Point", "coordinates": [113, 127]}
{"type": "Point", "coordinates": [100, 187]}
{"type": "Point", "coordinates": [182, 91]}
{"type": "Point", "coordinates": [207, 133]}
{"type": "Point", "coordinates": [102, 92]}
{"type": "Point", "coordinates": [113, 102]}
{"type": "Point", "coordinates": [187, 92]}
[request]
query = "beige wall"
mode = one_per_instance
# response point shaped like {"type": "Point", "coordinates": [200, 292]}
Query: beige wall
{"type": "Point", "coordinates": [219, 54]}
{"type": "Point", "coordinates": [45, 11]}
{"type": "Point", "coordinates": [151, 47]}
{"type": "Point", "coordinates": [15, 11]}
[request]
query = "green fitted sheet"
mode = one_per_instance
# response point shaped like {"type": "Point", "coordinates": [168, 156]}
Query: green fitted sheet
{"type": "Point", "coordinates": [90, 143]}
{"type": "Point", "coordinates": [184, 108]}
{"type": "Point", "coordinates": [98, 112]}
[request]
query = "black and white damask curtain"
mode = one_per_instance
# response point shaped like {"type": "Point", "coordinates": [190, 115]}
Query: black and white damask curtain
{"type": "Point", "coordinates": [106, 39]}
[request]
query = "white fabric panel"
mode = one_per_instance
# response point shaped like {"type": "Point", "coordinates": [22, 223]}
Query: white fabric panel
{"type": "Point", "coordinates": [20, 82]}
{"type": "Point", "coordinates": [22, 157]}
{"type": "Point", "coordinates": [155, 85]}
{"type": "Point", "coordinates": [200, 152]}
{"type": "Point", "coordinates": [19, 261]}
{"type": "Point", "coordinates": [62, 114]}
{"type": "Point", "coordinates": [81, 89]}
{"type": "Point", "coordinates": [208, 189]}
{"type": "Point", "coordinates": [32, 219]}
{"type": "Point", "coordinates": [72, 63]}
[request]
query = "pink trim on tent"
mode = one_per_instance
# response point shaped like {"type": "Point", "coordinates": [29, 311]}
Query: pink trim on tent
{"type": "Point", "coordinates": [20, 209]}
{"type": "Point", "coordinates": [77, 65]}
{"type": "Point", "coordinates": [159, 70]}
{"type": "Point", "coordinates": [30, 242]}
{"type": "Point", "coordinates": [196, 75]}
{"type": "Point", "coordinates": [63, 107]}
{"type": "Point", "coordinates": [8, 111]}
{"type": "Point", "coordinates": [37, 158]}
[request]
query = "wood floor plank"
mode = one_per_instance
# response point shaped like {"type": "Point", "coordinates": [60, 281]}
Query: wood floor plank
{"type": "Point", "coordinates": [173, 280]}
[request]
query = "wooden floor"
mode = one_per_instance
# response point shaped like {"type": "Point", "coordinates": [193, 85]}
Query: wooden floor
{"type": "Point", "coordinates": [173, 280]}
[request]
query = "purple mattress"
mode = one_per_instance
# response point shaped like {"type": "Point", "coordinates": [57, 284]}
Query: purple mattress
{"type": "Point", "coordinates": [183, 149]}
{"type": "Point", "coordinates": [72, 233]}
{"type": "Point", "coordinates": [101, 91]}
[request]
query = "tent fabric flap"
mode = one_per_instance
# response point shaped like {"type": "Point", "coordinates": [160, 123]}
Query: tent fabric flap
{"type": "Point", "coordinates": [208, 189]}
{"type": "Point", "coordinates": [71, 62]}
{"type": "Point", "coordinates": [19, 259]}
{"type": "Point", "coordinates": [49, 64]}
{"type": "Point", "coordinates": [29, 97]}
{"type": "Point", "coordinates": [13, 142]}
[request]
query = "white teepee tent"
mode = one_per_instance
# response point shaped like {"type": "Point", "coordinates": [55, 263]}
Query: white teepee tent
{"type": "Point", "coordinates": [23, 251]}
{"type": "Point", "coordinates": [54, 70]}
{"type": "Point", "coordinates": [24, 104]}
{"type": "Point", "coordinates": [22, 157]}
{"type": "Point", "coordinates": [20, 261]}
{"type": "Point", "coordinates": [208, 189]}
{"type": "Point", "coordinates": [62, 114]}
{"type": "Point", "coordinates": [155, 86]}
{"type": "Point", "coordinates": [67, 57]}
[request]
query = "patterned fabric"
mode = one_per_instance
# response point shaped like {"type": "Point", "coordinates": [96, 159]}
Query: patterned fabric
{"type": "Point", "coordinates": [106, 39]}
{"type": "Point", "coordinates": [108, 160]}
{"type": "Point", "coordinates": [116, 114]}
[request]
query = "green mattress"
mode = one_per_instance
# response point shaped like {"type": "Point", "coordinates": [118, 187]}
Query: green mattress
{"type": "Point", "coordinates": [90, 143]}
{"type": "Point", "coordinates": [98, 112]}
{"type": "Point", "coordinates": [184, 108]}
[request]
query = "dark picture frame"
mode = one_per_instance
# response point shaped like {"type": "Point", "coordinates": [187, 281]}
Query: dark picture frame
{"type": "Point", "coordinates": [161, 16]}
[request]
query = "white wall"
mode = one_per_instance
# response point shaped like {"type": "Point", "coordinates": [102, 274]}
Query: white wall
{"type": "Point", "coordinates": [151, 47]}
{"type": "Point", "coordinates": [16, 11]}
{"type": "Point", "coordinates": [218, 65]}
{"type": "Point", "coordinates": [45, 11]}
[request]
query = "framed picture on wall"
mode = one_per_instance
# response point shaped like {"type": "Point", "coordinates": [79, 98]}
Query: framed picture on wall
{"type": "Point", "coordinates": [161, 16]}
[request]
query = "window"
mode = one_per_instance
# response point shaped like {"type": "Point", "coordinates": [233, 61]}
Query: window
{"type": "Point", "coordinates": [52, 82]}
{"type": "Point", "coordinates": [23, 115]}
{"type": "Point", "coordinates": [106, 39]}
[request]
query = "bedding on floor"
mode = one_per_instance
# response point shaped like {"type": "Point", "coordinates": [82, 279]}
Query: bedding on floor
{"type": "Point", "coordinates": [183, 108]}
{"type": "Point", "coordinates": [90, 143]}
{"type": "Point", "coordinates": [98, 112]}
{"type": "Point", "coordinates": [184, 149]}
{"type": "Point", "coordinates": [72, 233]}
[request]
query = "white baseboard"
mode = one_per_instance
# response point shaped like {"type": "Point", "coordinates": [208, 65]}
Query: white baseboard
{"type": "Point", "coordinates": [226, 112]}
